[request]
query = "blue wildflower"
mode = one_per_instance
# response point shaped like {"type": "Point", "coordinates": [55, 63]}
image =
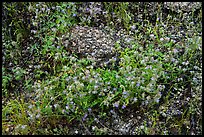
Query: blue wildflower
{"type": "Point", "coordinates": [125, 93]}
{"type": "Point", "coordinates": [116, 104]}
{"type": "Point", "coordinates": [89, 109]}
{"type": "Point", "coordinates": [84, 116]}
{"type": "Point", "coordinates": [124, 106]}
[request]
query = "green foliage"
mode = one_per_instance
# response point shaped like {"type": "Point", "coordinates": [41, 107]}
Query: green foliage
{"type": "Point", "coordinates": [13, 25]}
{"type": "Point", "coordinates": [60, 91]}
{"type": "Point", "coordinates": [121, 12]}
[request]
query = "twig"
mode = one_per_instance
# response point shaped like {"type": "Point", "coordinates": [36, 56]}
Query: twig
{"type": "Point", "coordinates": [85, 127]}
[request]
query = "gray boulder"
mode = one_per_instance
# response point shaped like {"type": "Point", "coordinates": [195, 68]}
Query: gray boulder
{"type": "Point", "coordinates": [182, 6]}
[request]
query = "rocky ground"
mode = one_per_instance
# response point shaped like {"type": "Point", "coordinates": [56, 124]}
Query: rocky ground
{"type": "Point", "coordinates": [101, 45]}
{"type": "Point", "coordinates": [98, 43]}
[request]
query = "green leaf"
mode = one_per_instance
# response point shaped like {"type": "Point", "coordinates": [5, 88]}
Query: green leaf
{"type": "Point", "coordinates": [58, 21]}
{"type": "Point", "coordinates": [63, 85]}
{"type": "Point", "coordinates": [37, 76]}
{"type": "Point", "coordinates": [19, 77]}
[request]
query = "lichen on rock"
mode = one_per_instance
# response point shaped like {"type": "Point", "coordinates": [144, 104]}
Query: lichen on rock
{"type": "Point", "coordinates": [91, 42]}
{"type": "Point", "coordinates": [182, 6]}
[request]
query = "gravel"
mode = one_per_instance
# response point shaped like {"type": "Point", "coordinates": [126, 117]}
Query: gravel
{"type": "Point", "coordinates": [182, 6]}
{"type": "Point", "coordinates": [95, 43]}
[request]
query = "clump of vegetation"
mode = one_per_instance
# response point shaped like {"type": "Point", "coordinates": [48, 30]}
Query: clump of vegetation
{"type": "Point", "coordinates": [46, 89]}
